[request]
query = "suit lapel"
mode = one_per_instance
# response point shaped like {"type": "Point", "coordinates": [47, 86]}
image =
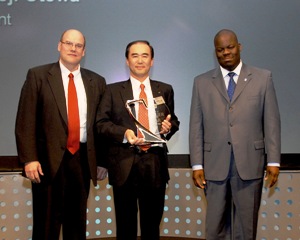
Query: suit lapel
{"type": "Point", "coordinates": [243, 80]}
{"type": "Point", "coordinates": [56, 85]}
{"type": "Point", "coordinates": [127, 94]}
{"type": "Point", "coordinates": [89, 91]}
{"type": "Point", "coordinates": [218, 81]}
{"type": "Point", "coordinates": [126, 91]}
{"type": "Point", "coordinates": [156, 91]}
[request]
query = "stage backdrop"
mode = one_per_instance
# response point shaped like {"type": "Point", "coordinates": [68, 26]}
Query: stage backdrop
{"type": "Point", "coordinates": [181, 32]}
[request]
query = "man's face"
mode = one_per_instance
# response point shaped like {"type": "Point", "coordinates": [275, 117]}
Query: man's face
{"type": "Point", "coordinates": [72, 49]}
{"type": "Point", "coordinates": [139, 61]}
{"type": "Point", "coordinates": [228, 51]}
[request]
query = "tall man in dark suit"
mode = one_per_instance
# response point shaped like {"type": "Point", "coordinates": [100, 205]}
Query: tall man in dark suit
{"type": "Point", "coordinates": [58, 150]}
{"type": "Point", "coordinates": [229, 136]}
{"type": "Point", "coordinates": [138, 176]}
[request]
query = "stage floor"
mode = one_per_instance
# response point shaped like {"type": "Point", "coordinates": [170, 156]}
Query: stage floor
{"type": "Point", "coordinates": [162, 238]}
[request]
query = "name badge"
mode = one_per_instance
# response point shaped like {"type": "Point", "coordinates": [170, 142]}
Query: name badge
{"type": "Point", "coordinates": [159, 100]}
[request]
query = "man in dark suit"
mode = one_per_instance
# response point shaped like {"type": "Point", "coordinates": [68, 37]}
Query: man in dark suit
{"type": "Point", "coordinates": [229, 136]}
{"type": "Point", "coordinates": [139, 176]}
{"type": "Point", "coordinates": [60, 166]}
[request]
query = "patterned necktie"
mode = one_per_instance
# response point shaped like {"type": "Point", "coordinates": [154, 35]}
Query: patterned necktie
{"type": "Point", "coordinates": [143, 115]}
{"type": "Point", "coordinates": [73, 117]}
{"type": "Point", "coordinates": [231, 85]}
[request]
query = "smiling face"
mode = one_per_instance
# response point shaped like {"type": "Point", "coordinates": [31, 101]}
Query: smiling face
{"type": "Point", "coordinates": [139, 60]}
{"type": "Point", "coordinates": [227, 49]}
{"type": "Point", "coordinates": [70, 51]}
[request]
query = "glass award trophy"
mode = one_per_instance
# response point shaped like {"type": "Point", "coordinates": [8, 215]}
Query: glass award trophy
{"type": "Point", "coordinates": [161, 109]}
{"type": "Point", "coordinates": [150, 137]}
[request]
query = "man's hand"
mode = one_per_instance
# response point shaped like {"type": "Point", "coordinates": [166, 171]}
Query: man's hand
{"type": "Point", "coordinates": [33, 170]}
{"type": "Point", "coordinates": [166, 125]}
{"type": "Point", "coordinates": [272, 173]}
{"type": "Point", "coordinates": [199, 178]}
{"type": "Point", "coordinates": [101, 173]}
{"type": "Point", "coordinates": [132, 139]}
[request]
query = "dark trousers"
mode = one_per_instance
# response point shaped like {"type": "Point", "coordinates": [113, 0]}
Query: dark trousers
{"type": "Point", "coordinates": [63, 201]}
{"type": "Point", "coordinates": [145, 191]}
{"type": "Point", "coordinates": [232, 207]}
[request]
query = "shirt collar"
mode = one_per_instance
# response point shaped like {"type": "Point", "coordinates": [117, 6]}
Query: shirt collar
{"type": "Point", "coordinates": [237, 70]}
{"type": "Point", "coordinates": [136, 83]}
{"type": "Point", "coordinates": [66, 72]}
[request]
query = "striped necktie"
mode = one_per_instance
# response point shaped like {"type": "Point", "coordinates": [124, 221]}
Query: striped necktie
{"type": "Point", "coordinates": [143, 116]}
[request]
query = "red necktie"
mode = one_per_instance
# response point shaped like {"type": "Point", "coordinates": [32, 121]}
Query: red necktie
{"type": "Point", "coordinates": [73, 117]}
{"type": "Point", "coordinates": [143, 116]}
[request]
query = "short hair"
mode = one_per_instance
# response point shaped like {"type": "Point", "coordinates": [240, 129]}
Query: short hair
{"type": "Point", "coordinates": [228, 31]}
{"type": "Point", "coordinates": [63, 34]}
{"type": "Point", "coordinates": [139, 41]}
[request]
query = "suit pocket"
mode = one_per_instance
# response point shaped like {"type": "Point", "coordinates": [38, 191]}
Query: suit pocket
{"type": "Point", "coordinates": [259, 144]}
{"type": "Point", "coordinates": [207, 147]}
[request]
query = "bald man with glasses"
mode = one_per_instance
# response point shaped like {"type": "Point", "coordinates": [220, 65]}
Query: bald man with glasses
{"type": "Point", "coordinates": [56, 139]}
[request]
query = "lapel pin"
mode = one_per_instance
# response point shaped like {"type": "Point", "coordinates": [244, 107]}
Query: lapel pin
{"type": "Point", "coordinates": [245, 79]}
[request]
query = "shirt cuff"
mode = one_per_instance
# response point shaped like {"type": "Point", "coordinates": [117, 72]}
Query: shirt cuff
{"type": "Point", "coordinates": [273, 164]}
{"type": "Point", "coordinates": [197, 167]}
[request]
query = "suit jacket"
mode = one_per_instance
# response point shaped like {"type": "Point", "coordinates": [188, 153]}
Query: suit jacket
{"type": "Point", "coordinates": [249, 124]}
{"type": "Point", "coordinates": [41, 124]}
{"type": "Point", "coordinates": [114, 120]}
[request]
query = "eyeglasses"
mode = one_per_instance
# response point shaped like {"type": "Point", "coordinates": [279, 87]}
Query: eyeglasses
{"type": "Point", "coordinates": [70, 45]}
